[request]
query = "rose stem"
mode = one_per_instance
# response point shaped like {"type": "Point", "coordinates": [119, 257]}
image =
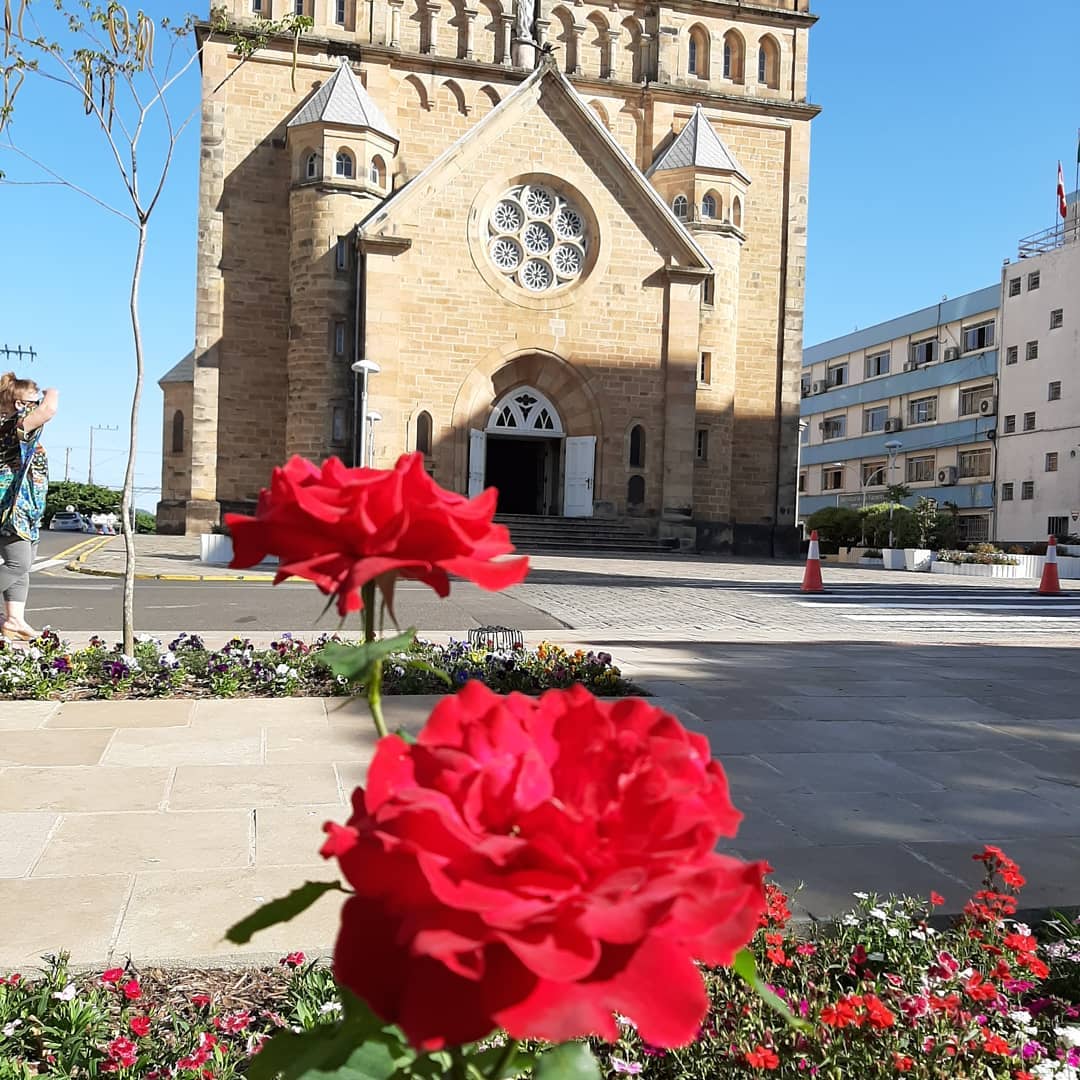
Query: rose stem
{"type": "Point", "coordinates": [374, 684]}
{"type": "Point", "coordinates": [505, 1058]}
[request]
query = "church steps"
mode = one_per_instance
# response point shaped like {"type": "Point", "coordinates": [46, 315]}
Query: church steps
{"type": "Point", "coordinates": [534, 533]}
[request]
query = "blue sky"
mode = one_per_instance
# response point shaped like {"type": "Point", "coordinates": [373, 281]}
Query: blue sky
{"type": "Point", "coordinates": [936, 151]}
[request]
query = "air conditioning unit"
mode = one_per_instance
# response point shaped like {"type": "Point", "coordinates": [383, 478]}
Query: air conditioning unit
{"type": "Point", "coordinates": [819, 387]}
{"type": "Point", "coordinates": [910, 365]}
{"type": "Point", "coordinates": [952, 352]}
{"type": "Point", "coordinates": [988, 406]}
{"type": "Point", "coordinates": [947, 476]}
{"type": "Point", "coordinates": [894, 423]}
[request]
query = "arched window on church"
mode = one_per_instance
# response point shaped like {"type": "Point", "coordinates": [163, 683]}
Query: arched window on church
{"type": "Point", "coordinates": [736, 212]}
{"type": "Point", "coordinates": [423, 433]}
{"type": "Point", "coordinates": [708, 207]}
{"type": "Point", "coordinates": [733, 56]}
{"type": "Point", "coordinates": [637, 447]}
{"type": "Point", "coordinates": [178, 432]}
{"type": "Point", "coordinates": [678, 207]}
{"type": "Point", "coordinates": [344, 165]}
{"type": "Point", "coordinates": [768, 73]}
{"type": "Point", "coordinates": [377, 171]}
{"type": "Point", "coordinates": [697, 60]}
{"type": "Point", "coordinates": [635, 491]}
{"type": "Point", "coordinates": [311, 166]}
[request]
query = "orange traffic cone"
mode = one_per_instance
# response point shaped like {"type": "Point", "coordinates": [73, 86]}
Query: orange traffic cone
{"type": "Point", "coordinates": [1050, 585]}
{"type": "Point", "coordinates": [811, 581]}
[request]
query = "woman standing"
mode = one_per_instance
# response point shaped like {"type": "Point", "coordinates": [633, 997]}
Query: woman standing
{"type": "Point", "coordinates": [24, 483]}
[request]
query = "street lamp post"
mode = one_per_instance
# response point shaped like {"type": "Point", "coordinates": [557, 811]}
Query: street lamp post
{"type": "Point", "coordinates": [373, 418]}
{"type": "Point", "coordinates": [362, 369]}
{"type": "Point", "coordinates": [893, 446]}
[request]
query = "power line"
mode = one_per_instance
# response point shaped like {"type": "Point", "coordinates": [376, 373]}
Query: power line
{"type": "Point", "coordinates": [19, 352]}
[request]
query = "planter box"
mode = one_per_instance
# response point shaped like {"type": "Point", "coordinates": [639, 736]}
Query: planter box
{"type": "Point", "coordinates": [975, 570]}
{"type": "Point", "coordinates": [215, 549]}
{"type": "Point", "coordinates": [918, 559]}
{"type": "Point", "coordinates": [893, 558]}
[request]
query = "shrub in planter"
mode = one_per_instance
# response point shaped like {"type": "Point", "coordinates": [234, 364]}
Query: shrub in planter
{"type": "Point", "coordinates": [836, 525]}
{"type": "Point", "coordinates": [875, 523]}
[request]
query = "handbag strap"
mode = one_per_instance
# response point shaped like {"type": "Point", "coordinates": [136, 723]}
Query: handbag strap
{"type": "Point", "coordinates": [27, 447]}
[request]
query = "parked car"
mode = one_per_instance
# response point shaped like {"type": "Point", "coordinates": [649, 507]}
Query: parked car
{"type": "Point", "coordinates": [66, 521]}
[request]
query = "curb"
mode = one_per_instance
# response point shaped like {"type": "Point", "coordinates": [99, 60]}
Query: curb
{"type": "Point", "coordinates": [93, 572]}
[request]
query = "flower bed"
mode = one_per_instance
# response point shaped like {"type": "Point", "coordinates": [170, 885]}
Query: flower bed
{"type": "Point", "coordinates": [983, 555]}
{"type": "Point", "coordinates": [879, 993]}
{"type": "Point", "coordinates": [990, 570]}
{"type": "Point", "coordinates": [184, 667]}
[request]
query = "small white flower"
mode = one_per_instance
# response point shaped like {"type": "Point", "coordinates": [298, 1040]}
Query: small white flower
{"type": "Point", "coordinates": [330, 1007]}
{"type": "Point", "coordinates": [850, 920]}
{"type": "Point", "coordinates": [35, 653]}
{"type": "Point", "coordinates": [67, 994]}
{"type": "Point", "coordinates": [282, 669]}
{"type": "Point", "coordinates": [919, 935]}
{"type": "Point", "coordinates": [877, 913]}
{"type": "Point", "coordinates": [893, 932]}
{"type": "Point", "coordinates": [1070, 1035]}
{"type": "Point", "coordinates": [9, 1029]}
{"type": "Point", "coordinates": [861, 896]}
{"type": "Point", "coordinates": [625, 1021]}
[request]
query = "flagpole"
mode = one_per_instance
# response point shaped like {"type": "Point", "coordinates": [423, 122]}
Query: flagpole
{"type": "Point", "coordinates": [1076, 191]}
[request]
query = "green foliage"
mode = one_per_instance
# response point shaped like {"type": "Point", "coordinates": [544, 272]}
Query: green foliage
{"type": "Point", "coordinates": [356, 663]}
{"type": "Point", "coordinates": [283, 909]}
{"type": "Point", "coordinates": [571, 1061]}
{"type": "Point", "coordinates": [875, 525]}
{"type": "Point", "coordinates": [86, 498]}
{"type": "Point", "coordinates": [838, 525]}
{"type": "Point", "coordinates": [145, 522]}
{"type": "Point", "coordinates": [897, 493]}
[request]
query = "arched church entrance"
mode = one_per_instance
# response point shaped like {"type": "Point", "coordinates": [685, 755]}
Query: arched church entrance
{"type": "Point", "coordinates": [524, 451]}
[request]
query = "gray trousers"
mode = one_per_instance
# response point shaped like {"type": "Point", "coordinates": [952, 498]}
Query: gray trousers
{"type": "Point", "coordinates": [18, 556]}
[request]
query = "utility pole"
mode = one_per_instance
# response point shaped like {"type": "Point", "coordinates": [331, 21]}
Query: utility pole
{"type": "Point", "coordinates": [93, 428]}
{"type": "Point", "coordinates": [67, 463]}
{"type": "Point", "coordinates": [19, 352]}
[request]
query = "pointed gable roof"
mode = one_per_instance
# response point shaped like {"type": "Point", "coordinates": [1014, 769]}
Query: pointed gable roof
{"type": "Point", "coordinates": [183, 372]}
{"type": "Point", "coordinates": [698, 146]}
{"type": "Point", "coordinates": [383, 219]}
{"type": "Point", "coordinates": [343, 101]}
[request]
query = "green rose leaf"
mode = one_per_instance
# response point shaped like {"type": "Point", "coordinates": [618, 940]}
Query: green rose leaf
{"type": "Point", "coordinates": [745, 966]}
{"type": "Point", "coordinates": [571, 1061]}
{"type": "Point", "coordinates": [283, 909]}
{"type": "Point", "coordinates": [356, 662]}
{"type": "Point", "coordinates": [431, 669]}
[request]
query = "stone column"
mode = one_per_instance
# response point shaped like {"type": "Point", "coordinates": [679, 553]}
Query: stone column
{"type": "Point", "coordinates": [577, 34]}
{"type": "Point", "coordinates": [395, 23]}
{"type": "Point", "coordinates": [507, 27]}
{"type": "Point", "coordinates": [611, 38]}
{"type": "Point", "coordinates": [470, 33]}
{"type": "Point", "coordinates": [431, 14]}
{"type": "Point", "coordinates": [645, 47]}
{"type": "Point", "coordinates": [667, 54]}
{"type": "Point", "coordinates": [542, 28]}
{"type": "Point", "coordinates": [320, 13]}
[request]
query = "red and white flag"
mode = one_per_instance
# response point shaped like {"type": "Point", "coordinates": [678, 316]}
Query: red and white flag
{"type": "Point", "coordinates": [1063, 208]}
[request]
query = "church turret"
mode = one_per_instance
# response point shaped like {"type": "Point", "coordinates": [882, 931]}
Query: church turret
{"type": "Point", "coordinates": [341, 151]}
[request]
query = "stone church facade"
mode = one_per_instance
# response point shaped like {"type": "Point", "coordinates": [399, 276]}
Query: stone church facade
{"type": "Point", "coordinates": [566, 247]}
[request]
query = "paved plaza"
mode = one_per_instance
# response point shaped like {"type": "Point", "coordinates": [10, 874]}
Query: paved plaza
{"type": "Point", "coordinates": [867, 752]}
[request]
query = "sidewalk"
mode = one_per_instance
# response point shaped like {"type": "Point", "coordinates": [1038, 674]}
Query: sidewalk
{"type": "Point", "coordinates": [159, 558]}
{"type": "Point", "coordinates": [145, 828]}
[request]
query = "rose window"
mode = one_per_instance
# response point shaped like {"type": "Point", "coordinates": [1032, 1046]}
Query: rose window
{"type": "Point", "coordinates": [537, 238]}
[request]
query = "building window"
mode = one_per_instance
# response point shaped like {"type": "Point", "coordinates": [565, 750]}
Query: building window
{"type": "Point", "coordinates": [973, 462]}
{"type": "Point", "coordinates": [377, 172]}
{"type": "Point", "coordinates": [733, 56]}
{"type": "Point", "coordinates": [423, 433]}
{"type": "Point", "coordinates": [833, 427]}
{"type": "Point", "coordinates": [837, 375]}
{"type": "Point", "coordinates": [923, 352]}
{"type": "Point", "coordinates": [178, 432]}
{"type": "Point", "coordinates": [1057, 318]}
{"type": "Point", "coordinates": [874, 419]}
{"type": "Point", "coordinates": [922, 410]}
{"type": "Point", "coordinates": [970, 398]}
{"type": "Point", "coordinates": [708, 291]}
{"type": "Point", "coordinates": [1027, 490]}
{"type": "Point", "coordinates": [256, 6]}
{"type": "Point", "coordinates": [339, 12]}
{"type": "Point", "coordinates": [298, 7]}
{"type": "Point", "coordinates": [979, 336]}
{"type": "Point", "coordinates": [635, 491]}
{"type": "Point", "coordinates": [1006, 492]}
{"type": "Point", "coordinates": [768, 63]}
{"type": "Point", "coordinates": [736, 212]}
{"type": "Point", "coordinates": [678, 207]}
{"type": "Point", "coordinates": [701, 445]}
{"type": "Point", "coordinates": [339, 339]}
{"type": "Point", "coordinates": [1032, 351]}
{"type": "Point", "coordinates": [705, 368]}
{"type": "Point", "coordinates": [343, 165]}
{"type": "Point", "coordinates": [1029, 421]}
{"type": "Point", "coordinates": [974, 527]}
{"type": "Point", "coordinates": [802, 483]}
{"type": "Point", "coordinates": [878, 364]}
{"type": "Point", "coordinates": [311, 168]}
{"type": "Point", "coordinates": [338, 425]}
{"type": "Point", "coordinates": [920, 469]}
{"type": "Point", "coordinates": [1051, 463]}
{"type": "Point", "coordinates": [1033, 280]}
{"type": "Point", "coordinates": [341, 253]}
{"type": "Point", "coordinates": [1010, 424]}
{"type": "Point", "coordinates": [1012, 354]}
{"type": "Point", "coordinates": [804, 385]}
{"type": "Point", "coordinates": [1014, 286]}
{"type": "Point", "coordinates": [637, 447]}
{"type": "Point", "coordinates": [873, 473]}
{"type": "Point", "coordinates": [698, 53]}
{"type": "Point", "coordinates": [1053, 391]}
{"type": "Point", "coordinates": [708, 207]}
{"type": "Point", "coordinates": [1057, 526]}
{"type": "Point", "coordinates": [832, 478]}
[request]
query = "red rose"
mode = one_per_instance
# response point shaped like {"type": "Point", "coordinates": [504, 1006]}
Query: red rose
{"type": "Point", "coordinates": [342, 528]}
{"type": "Point", "coordinates": [538, 865]}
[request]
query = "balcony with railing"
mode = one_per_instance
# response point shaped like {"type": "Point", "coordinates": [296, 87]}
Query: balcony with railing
{"type": "Point", "coordinates": [1064, 232]}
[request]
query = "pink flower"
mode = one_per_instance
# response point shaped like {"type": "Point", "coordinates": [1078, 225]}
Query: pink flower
{"type": "Point", "coordinates": [293, 960]}
{"type": "Point", "coordinates": [140, 1026]}
{"type": "Point", "coordinates": [132, 990]}
{"type": "Point", "coordinates": [806, 950]}
{"type": "Point", "coordinates": [200, 1000]}
{"type": "Point", "coordinates": [235, 1023]}
{"type": "Point", "coordinates": [113, 975]}
{"type": "Point", "coordinates": [630, 1068]}
{"type": "Point", "coordinates": [123, 1051]}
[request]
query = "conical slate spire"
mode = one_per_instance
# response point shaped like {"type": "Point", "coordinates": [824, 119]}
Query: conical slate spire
{"type": "Point", "coordinates": [698, 146]}
{"type": "Point", "coordinates": [343, 101]}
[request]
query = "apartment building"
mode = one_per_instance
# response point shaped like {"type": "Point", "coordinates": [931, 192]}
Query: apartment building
{"type": "Point", "coordinates": [909, 401]}
{"type": "Point", "coordinates": [1038, 445]}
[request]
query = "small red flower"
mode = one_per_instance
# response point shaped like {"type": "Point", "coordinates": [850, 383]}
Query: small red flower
{"type": "Point", "coordinates": [123, 1052]}
{"type": "Point", "coordinates": [234, 1023]}
{"type": "Point", "coordinates": [113, 975]}
{"type": "Point", "coordinates": [200, 1000]}
{"type": "Point", "coordinates": [858, 956]}
{"type": "Point", "coordinates": [140, 1026]}
{"type": "Point", "coordinates": [902, 1063]}
{"type": "Point", "coordinates": [293, 960]}
{"type": "Point", "coordinates": [132, 990]}
{"type": "Point", "coordinates": [877, 1013]}
{"type": "Point", "coordinates": [994, 1044]}
{"type": "Point", "coordinates": [978, 989]}
{"type": "Point", "coordinates": [937, 900]}
{"type": "Point", "coordinates": [762, 1057]}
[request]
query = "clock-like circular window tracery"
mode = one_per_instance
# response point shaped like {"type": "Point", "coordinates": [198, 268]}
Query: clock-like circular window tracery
{"type": "Point", "coordinates": [537, 238]}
